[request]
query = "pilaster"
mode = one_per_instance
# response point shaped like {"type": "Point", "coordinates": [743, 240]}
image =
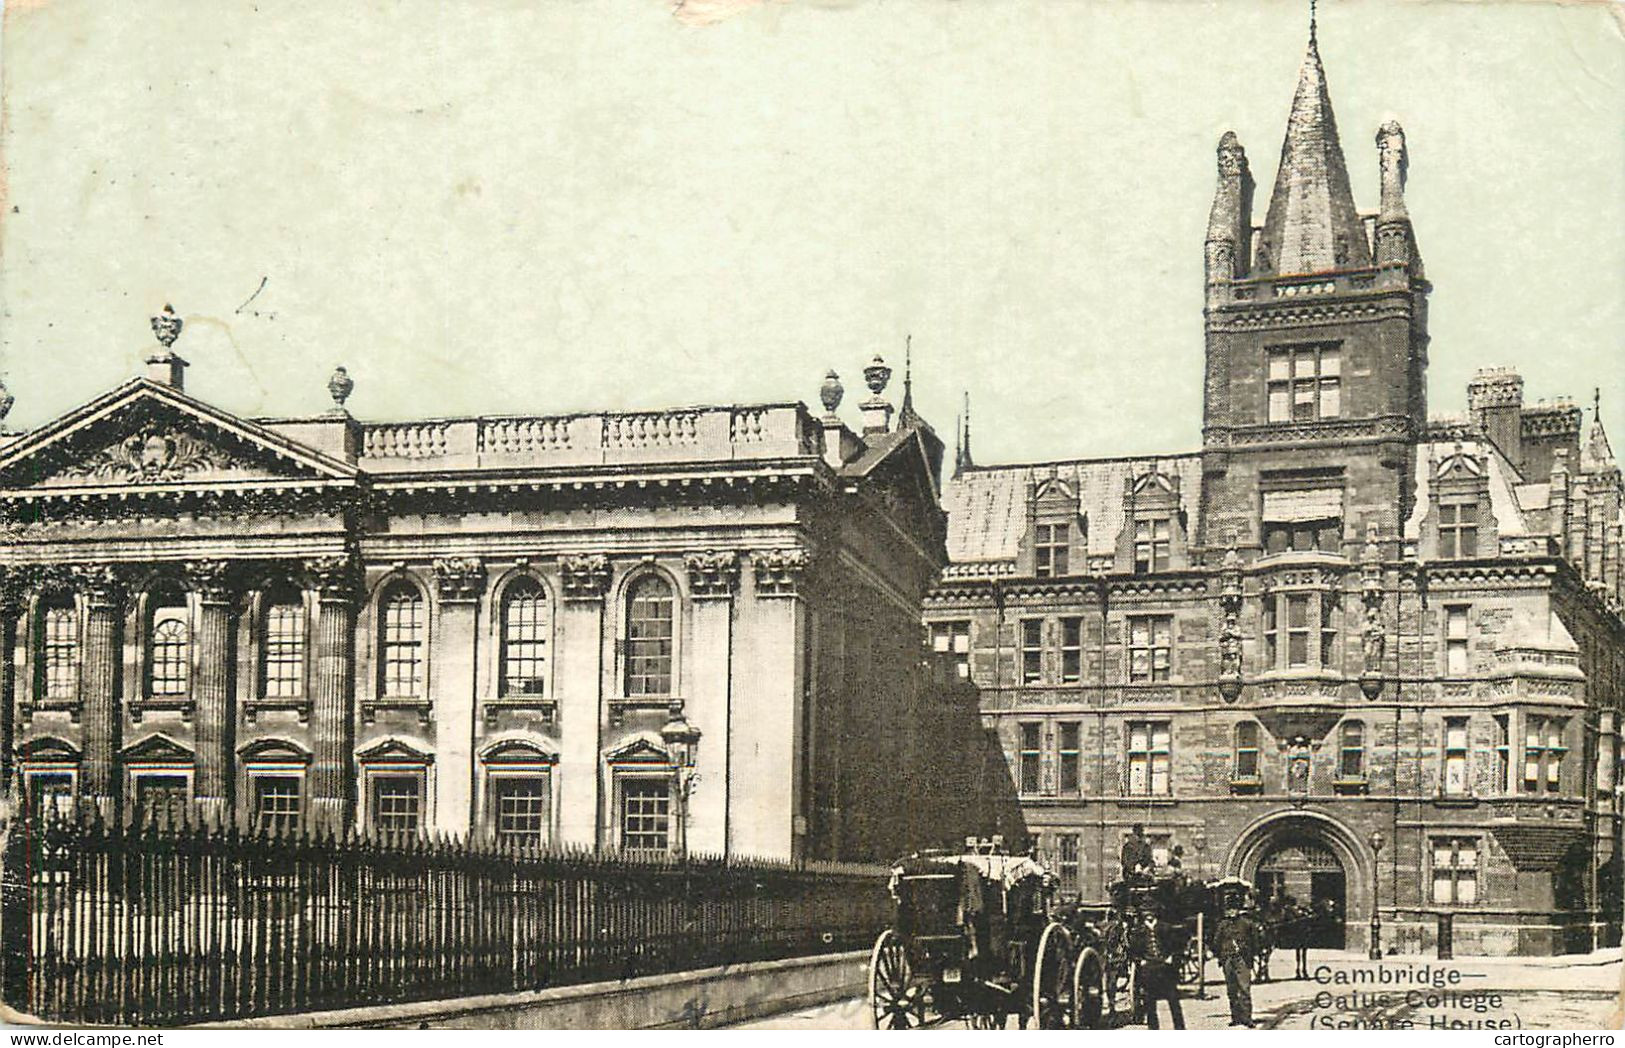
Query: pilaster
{"type": "Point", "coordinates": [102, 595]}
{"type": "Point", "coordinates": [578, 679]}
{"type": "Point", "coordinates": [332, 772]}
{"type": "Point", "coordinates": [459, 582]}
{"type": "Point", "coordinates": [213, 779]}
{"type": "Point", "coordinates": [712, 581]}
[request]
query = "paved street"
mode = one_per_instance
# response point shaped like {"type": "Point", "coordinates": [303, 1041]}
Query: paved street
{"type": "Point", "coordinates": [1578, 992]}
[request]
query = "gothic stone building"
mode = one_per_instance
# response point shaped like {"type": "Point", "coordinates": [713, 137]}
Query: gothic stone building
{"type": "Point", "coordinates": [690, 629]}
{"type": "Point", "coordinates": [1343, 650]}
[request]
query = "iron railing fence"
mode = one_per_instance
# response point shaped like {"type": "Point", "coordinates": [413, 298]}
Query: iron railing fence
{"type": "Point", "coordinates": [174, 921]}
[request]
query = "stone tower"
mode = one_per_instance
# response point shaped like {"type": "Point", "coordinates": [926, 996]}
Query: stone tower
{"type": "Point", "coordinates": [1316, 343]}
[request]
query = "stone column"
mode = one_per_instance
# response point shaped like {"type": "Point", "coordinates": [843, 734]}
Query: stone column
{"type": "Point", "coordinates": [332, 720]}
{"type": "Point", "coordinates": [9, 605]}
{"type": "Point", "coordinates": [459, 581]}
{"type": "Point", "coordinates": [100, 595]}
{"type": "Point", "coordinates": [212, 783]}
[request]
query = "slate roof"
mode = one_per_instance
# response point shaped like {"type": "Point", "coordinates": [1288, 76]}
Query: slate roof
{"type": "Point", "coordinates": [987, 505]}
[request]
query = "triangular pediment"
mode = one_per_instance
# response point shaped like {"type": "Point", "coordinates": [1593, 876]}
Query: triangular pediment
{"type": "Point", "coordinates": [394, 751]}
{"type": "Point", "coordinates": [638, 751]}
{"type": "Point", "coordinates": [145, 434]}
{"type": "Point", "coordinates": [158, 749]}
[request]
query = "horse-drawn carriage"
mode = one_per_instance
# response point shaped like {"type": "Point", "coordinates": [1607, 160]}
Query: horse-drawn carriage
{"type": "Point", "coordinates": [977, 937]}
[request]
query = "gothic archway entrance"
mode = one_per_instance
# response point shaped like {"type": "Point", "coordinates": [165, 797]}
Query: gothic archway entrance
{"type": "Point", "coordinates": [1309, 872]}
{"type": "Point", "coordinates": [1314, 858]}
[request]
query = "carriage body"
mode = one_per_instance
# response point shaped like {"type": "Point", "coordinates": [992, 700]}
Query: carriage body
{"type": "Point", "coordinates": [973, 938]}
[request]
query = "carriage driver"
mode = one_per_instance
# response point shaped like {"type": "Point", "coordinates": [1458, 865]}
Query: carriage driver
{"type": "Point", "coordinates": [1137, 859]}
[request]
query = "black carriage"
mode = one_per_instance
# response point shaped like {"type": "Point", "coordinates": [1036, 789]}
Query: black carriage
{"type": "Point", "coordinates": [975, 939]}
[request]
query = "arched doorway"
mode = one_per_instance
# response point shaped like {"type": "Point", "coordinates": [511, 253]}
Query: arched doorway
{"type": "Point", "coordinates": [1309, 872]}
{"type": "Point", "coordinates": [1312, 857]}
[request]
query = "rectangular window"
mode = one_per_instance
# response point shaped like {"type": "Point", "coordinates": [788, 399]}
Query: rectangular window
{"type": "Point", "coordinates": [1031, 755]}
{"type": "Point", "coordinates": [1297, 630]}
{"type": "Point", "coordinates": [1246, 767]}
{"type": "Point", "coordinates": [50, 793]}
{"type": "Point", "coordinates": [1543, 752]}
{"type": "Point", "coordinates": [1051, 547]}
{"type": "Point", "coordinates": [1458, 530]}
{"type": "Point", "coordinates": [1305, 383]}
{"type": "Point", "coordinates": [521, 809]}
{"type": "Point", "coordinates": [1067, 861]}
{"type": "Point", "coordinates": [1150, 647]}
{"type": "Point", "coordinates": [1032, 651]}
{"type": "Point", "coordinates": [1351, 752]}
{"type": "Point", "coordinates": [950, 651]}
{"type": "Point", "coordinates": [1148, 757]}
{"type": "Point", "coordinates": [1071, 651]}
{"type": "Point", "coordinates": [1153, 544]}
{"type": "Point", "coordinates": [60, 637]}
{"type": "Point", "coordinates": [1503, 752]}
{"type": "Point", "coordinates": [1271, 631]}
{"type": "Point", "coordinates": [646, 816]}
{"type": "Point", "coordinates": [1455, 641]}
{"type": "Point", "coordinates": [1328, 629]}
{"type": "Point", "coordinates": [276, 802]}
{"type": "Point", "coordinates": [1069, 756]}
{"type": "Point", "coordinates": [397, 803]}
{"type": "Point", "coordinates": [1455, 870]}
{"type": "Point", "coordinates": [162, 795]}
{"type": "Point", "coordinates": [1455, 756]}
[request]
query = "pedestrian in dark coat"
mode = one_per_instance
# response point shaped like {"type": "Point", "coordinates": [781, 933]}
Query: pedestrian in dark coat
{"type": "Point", "coordinates": [1156, 946]}
{"type": "Point", "coordinates": [1137, 860]}
{"type": "Point", "coordinates": [1235, 940]}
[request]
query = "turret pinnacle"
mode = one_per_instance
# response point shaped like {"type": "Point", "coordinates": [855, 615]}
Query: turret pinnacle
{"type": "Point", "coordinates": [1597, 456]}
{"type": "Point", "coordinates": [1312, 225]}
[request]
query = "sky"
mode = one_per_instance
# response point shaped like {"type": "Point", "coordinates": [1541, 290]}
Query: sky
{"type": "Point", "coordinates": [499, 206]}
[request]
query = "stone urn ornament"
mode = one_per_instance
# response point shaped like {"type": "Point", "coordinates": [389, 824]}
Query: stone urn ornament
{"type": "Point", "coordinates": [831, 392]}
{"type": "Point", "coordinates": [339, 387]}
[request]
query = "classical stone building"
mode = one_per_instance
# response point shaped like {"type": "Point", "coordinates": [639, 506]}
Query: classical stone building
{"type": "Point", "coordinates": [1341, 650]}
{"type": "Point", "coordinates": [690, 629]}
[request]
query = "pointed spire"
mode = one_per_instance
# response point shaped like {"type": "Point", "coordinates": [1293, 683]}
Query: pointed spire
{"type": "Point", "coordinates": [1598, 456]}
{"type": "Point", "coordinates": [962, 459]}
{"type": "Point", "coordinates": [906, 415]}
{"type": "Point", "coordinates": [1312, 225]}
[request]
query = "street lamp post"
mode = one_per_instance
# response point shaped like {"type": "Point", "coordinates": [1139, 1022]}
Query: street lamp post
{"type": "Point", "coordinates": [1376, 841]}
{"type": "Point", "coordinates": [682, 739]}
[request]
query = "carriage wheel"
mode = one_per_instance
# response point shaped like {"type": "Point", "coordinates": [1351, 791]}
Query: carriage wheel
{"type": "Point", "coordinates": [895, 1002]}
{"type": "Point", "coordinates": [1088, 991]}
{"type": "Point", "coordinates": [988, 1021]}
{"type": "Point", "coordinates": [1190, 963]}
{"type": "Point", "coordinates": [1052, 979]}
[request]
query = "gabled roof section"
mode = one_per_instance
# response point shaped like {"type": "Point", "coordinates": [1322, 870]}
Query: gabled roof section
{"type": "Point", "coordinates": [149, 433]}
{"type": "Point", "coordinates": [1505, 484]}
{"type": "Point", "coordinates": [1312, 225]}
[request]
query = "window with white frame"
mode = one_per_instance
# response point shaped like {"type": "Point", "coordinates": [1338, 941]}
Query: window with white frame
{"type": "Point", "coordinates": [1300, 629]}
{"type": "Point", "coordinates": [277, 802]}
{"type": "Point", "coordinates": [1069, 756]}
{"type": "Point", "coordinates": [1305, 382]}
{"type": "Point", "coordinates": [1030, 759]}
{"type": "Point", "coordinates": [1456, 782]}
{"type": "Point", "coordinates": [1351, 752]}
{"type": "Point", "coordinates": [403, 625]}
{"type": "Point", "coordinates": [950, 651]}
{"type": "Point", "coordinates": [161, 794]}
{"type": "Point", "coordinates": [1245, 768]}
{"type": "Point", "coordinates": [1458, 530]}
{"type": "Point", "coordinates": [1455, 871]}
{"type": "Point", "coordinates": [1455, 640]}
{"type": "Point", "coordinates": [521, 808]}
{"type": "Point", "coordinates": [651, 621]}
{"type": "Point", "coordinates": [1150, 648]}
{"type": "Point", "coordinates": [525, 633]}
{"type": "Point", "coordinates": [1032, 651]}
{"type": "Point", "coordinates": [1503, 752]}
{"type": "Point", "coordinates": [169, 651]}
{"type": "Point", "coordinates": [1149, 752]}
{"type": "Point", "coordinates": [283, 659]}
{"type": "Point", "coordinates": [1071, 650]}
{"type": "Point", "coordinates": [1153, 544]}
{"type": "Point", "coordinates": [645, 815]}
{"type": "Point", "coordinates": [1050, 548]}
{"type": "Point", "coordinates": [397, 802]}
{"type": "Point", "coordinates": [58, 676]}
{"type": "Point", "coordinates": [1543, 752]}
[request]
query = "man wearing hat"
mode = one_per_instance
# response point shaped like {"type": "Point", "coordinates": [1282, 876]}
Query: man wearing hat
{"type": "Point", "coordinates": [1136, 855]}
{"type": "Point", "coordinates": [1235, 940]}
{"type": "Point", "coordinates": [1155, 945]}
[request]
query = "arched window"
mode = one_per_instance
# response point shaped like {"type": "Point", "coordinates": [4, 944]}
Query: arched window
{"type": "Point", "coordinates": [283, 659]}
{"type": "Point", "coordinates": [650, 630]}
{"type": "Point", "coordinates": [58, 648]}
{"type": "Point", "coordinates": [1247, 751]}
{"type": "Point", "coordinates": [524, 638]}
{"type": "Point", "coordinates": [169, 653]}
{"type": "Point", "coordinates": [400, 654]}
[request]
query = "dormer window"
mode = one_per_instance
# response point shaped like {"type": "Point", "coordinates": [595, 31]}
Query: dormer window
{"type": "Point", "coordinates": [1305, 382]}
{"type": "Point", "coordinates": [1153, 537]}
{"type": "Point", "coordinates": [1050, 549]}
{"type": "Point", "coordinates": [1153, 545]}
{"type": "Point", "coordinates": [1459, 520]}
{"type": "Point", "coordinates": [1458, 529]}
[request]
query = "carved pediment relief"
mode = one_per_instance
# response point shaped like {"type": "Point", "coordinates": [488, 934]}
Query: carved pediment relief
{"type": "Point", "coordinates": [144, 435]}
{"type": "Point", "coordinates": [638, 751]}
{"type": "Point", "coordinates": [158, 749]}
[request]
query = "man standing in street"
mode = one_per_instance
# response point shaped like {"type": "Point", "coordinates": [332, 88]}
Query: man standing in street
{"type": "Point", "coordinates": [1155, 945]}
{"type": "Point", "coordinates": [1236, 942]}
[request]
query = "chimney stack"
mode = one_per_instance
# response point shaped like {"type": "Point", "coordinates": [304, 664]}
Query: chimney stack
{"type": "Point", "coordinates": [1495, 404]}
